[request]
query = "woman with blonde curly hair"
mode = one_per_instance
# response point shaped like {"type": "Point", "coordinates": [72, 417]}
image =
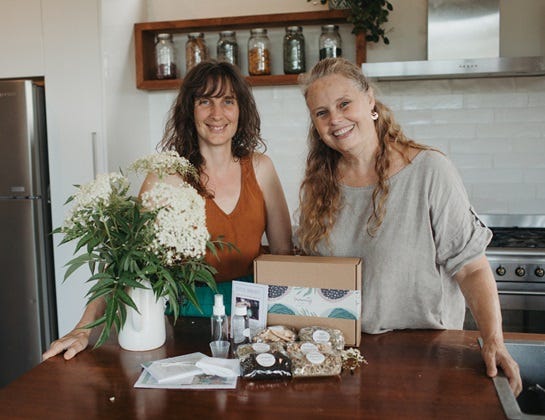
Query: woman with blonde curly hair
{"type": "Point", "coordinates": [370, 192]}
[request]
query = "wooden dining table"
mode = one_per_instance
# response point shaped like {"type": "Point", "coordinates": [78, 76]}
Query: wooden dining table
{"type": "Point", "coordinates": [416, 374]}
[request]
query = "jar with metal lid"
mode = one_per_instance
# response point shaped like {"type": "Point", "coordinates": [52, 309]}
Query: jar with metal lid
{"type": "Point", "coordinates": [294, 50]}
{"type": "Point", "coordinates": [227, 47]}
{"type": "Point", "coordinates": [195, 50]}
{"type": "Point", "coordinates": [330, 42]}
{"type": "Point", "coordinates": [165, 57]}
{"type": "Point", "coordinates": [259, 53]}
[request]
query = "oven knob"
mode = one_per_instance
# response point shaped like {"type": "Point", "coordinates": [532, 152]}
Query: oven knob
{"type": "Point", "coordinates": [539, 272]}
{"type": "Point", "coordinates": [520, 271]}
{"type": "Point", "coordinates": [501, 270]}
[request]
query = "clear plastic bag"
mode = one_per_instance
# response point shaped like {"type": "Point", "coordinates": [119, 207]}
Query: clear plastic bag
{"type": "Point", "coordinates": [323, 335]}
{"type": "Point", "coordinates": [276, 333]}
{"type": "Point", "coordinates": [264, 361]}
{"type": "Point", "coordinates": [313, 359]}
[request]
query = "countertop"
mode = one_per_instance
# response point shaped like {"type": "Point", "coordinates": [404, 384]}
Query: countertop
{"type": "Point", "coordinates": [416, 374]}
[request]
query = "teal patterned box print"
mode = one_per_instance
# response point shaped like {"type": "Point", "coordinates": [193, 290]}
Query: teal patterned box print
{"type": "Point", "coordinates": [318, 302]}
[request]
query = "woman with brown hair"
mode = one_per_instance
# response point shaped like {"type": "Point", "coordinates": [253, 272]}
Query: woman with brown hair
{"type": "Point", "coordinates": [370, 192]}
{"type": "Point", "coordinates": [214, 124]}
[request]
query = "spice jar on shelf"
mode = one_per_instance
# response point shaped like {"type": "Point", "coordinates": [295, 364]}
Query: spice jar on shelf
{"type": "Point", "coordinates": [259, 53]}
{"type": "Point", "coordinates": [195, 50]}
{"type": "Point", "coordinates": [227, 47]}
{"type": "Point", "coordinates": [330, 42]}
{"type": "Point", "coordinates": [294, 50]}
{"type": "Point", "coordinates": [165, 57]}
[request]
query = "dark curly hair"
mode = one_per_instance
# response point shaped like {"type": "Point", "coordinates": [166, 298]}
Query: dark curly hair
{"type": "Point", "coordinates": [211, 78]}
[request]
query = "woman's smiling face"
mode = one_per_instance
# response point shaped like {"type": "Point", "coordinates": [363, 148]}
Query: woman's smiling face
{"type": "Point", "coordinates": [216, 116]}
{"type": "Point", "coordinates": [341, 113]}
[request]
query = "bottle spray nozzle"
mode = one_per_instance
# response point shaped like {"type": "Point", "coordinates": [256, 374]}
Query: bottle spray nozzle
{"type": "Point", "coordinates": [219, 308]}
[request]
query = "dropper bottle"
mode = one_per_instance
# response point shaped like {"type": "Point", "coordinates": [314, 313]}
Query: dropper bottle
{"type": "Point", "coordinates": [218, 321]}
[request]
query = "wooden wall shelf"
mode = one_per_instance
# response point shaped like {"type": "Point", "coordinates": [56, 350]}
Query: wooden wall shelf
{"type": "Point", "coordinates": [144, 38]}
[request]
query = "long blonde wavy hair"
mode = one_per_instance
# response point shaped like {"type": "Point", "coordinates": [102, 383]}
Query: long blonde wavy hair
{"type": "Point", "coordinates": [319, 194]}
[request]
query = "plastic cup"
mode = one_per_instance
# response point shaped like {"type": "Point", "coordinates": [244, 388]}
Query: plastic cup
{"type": "Point", "coordinates": [220, 348]}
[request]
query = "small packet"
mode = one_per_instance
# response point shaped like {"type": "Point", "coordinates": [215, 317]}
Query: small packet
{"type": "Point", "coordinates": [264, 361]}
{"type": "Point", "coordinates": [276, 333]}
{"type": "Point", "coordinates": [314, 359]}
{"type": "Point", "coordinates": [323, 335]}
{"type": "Point", "coordinates": [256, 348]}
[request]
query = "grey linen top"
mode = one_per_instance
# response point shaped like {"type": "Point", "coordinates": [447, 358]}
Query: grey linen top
{"type": "Point", "coordinates": [429, 232]}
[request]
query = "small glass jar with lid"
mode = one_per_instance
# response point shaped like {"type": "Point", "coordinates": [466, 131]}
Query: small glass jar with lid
{"type": "Point", "coordinates": [165, 57]}
{"type": "Point", "coordinates": [294, 50]}
{"type": "Point", "coordinates": [195, 50]}
{"type": "Point", "coordinates": [259, 53]}
{"type": "Point", "coordinates": [227, 47]}
{"type": "Point", "coordinates": [330, 42]}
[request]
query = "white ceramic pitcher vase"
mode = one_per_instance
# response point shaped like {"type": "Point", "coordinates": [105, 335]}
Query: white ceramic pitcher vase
{"type": "Point", "coordinates": [145, 330]}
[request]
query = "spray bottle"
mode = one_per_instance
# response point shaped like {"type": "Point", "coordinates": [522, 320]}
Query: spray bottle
{"type": "Point", "coordinates": [218, 321]}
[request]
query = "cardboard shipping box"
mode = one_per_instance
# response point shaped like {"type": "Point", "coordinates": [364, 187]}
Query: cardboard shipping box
{"type": "Point", "coordinates": [313, 291]}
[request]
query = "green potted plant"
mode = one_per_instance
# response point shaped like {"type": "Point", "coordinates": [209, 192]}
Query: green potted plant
{"type": "Point", "coordinates": [155, 244]}
{"type": "Point", "coordinates": [368, 18]}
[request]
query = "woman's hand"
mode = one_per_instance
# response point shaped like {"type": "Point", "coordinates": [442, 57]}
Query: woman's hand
{"type": "Point", "coordinates": [495, 354]}
{"type": "Point", "coordinates": [479, 288]}
{"type": "Point", "coordinates": [71, 344]}
{"type": "Point", "coordinates": [77, 339]}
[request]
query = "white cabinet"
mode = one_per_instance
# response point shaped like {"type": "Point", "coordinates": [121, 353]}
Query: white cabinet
{"type": "Point", "coordinates": [73, 82]}
{"type": "Point", "coordinates": [21, 34]}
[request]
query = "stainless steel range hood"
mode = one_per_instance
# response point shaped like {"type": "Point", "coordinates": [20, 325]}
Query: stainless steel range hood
{"type": "Point", "coordinates": [463, 41]}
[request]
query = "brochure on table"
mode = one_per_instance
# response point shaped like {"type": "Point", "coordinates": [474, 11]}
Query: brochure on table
{"type": "Point", "coordinates": [190, 371]}
{"type": "Point", "coordinates": [255, 296]}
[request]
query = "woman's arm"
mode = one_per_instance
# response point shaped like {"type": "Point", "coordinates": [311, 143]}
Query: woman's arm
{"type": "Point", "coordinates": [278, 227]}
{"type": "Point", "coordinates": [479, 288]}
{"type": "Point", "coordinates": [77, 339]}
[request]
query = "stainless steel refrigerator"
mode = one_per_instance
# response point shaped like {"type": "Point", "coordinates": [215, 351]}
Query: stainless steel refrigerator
{"type": "Point", "coordinates": [28, 319]}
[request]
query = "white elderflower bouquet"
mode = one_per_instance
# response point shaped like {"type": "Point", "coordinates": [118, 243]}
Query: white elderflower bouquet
{"type": "Point", "coordinates": [160, 237]}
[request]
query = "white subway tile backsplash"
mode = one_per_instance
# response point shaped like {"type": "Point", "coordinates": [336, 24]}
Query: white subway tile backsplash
{"type": "Point", "coordinates": [424, 132]}
{"type": "Point", "coordinates": [465, 116]}
{"type": "Point", "coordinates": [433, 102]}
{"type": "Point", "coordinates": [475, 176]}
{"type": "Point", "coordinates": [513, 130]}
{"type": "Point", "coordinates": [471, 160]}
{"type": "Point", "coordinates": [484, 85]}
{"type": "Point", "coordinates": [478, 145]}
{"type": "Point", "coordinates": [520, 115]}
{"type": "Point", "coordinates": [496, 100]}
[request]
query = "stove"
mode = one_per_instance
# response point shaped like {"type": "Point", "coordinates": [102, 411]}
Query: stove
{"type": "Point", "coordinates": [517, 257]}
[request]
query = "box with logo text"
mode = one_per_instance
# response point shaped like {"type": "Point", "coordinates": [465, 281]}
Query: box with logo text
{"type": "Point", "coordinates": [313, 291]}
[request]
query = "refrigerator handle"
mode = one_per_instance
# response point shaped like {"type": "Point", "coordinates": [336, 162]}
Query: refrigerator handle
{"type": "Point", "coordinates": [94, 145]}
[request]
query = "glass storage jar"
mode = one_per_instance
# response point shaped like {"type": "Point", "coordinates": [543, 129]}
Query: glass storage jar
{"type": "Point", "coordinates": [165, 57]}
{"type": "Point", "coordinates": [259, 53]}
{"type": "Point", "coordinates": [330, 42]}
{"type": "Point", "coordinates": [294, 50]}
{"type": "Point", "coordinates": [227, 47]}
{"type": "Point", "coordinates": [195, 50]}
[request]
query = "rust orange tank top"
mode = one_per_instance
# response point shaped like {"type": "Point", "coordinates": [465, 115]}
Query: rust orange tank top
{"type": "Point", "coordinates": [243, 227]}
